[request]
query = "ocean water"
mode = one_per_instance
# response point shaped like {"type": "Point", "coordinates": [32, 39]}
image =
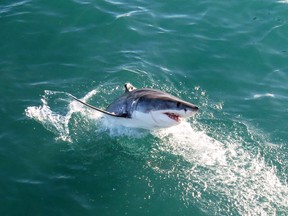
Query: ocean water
{"type": "Point", "coordinates": [228, 57]}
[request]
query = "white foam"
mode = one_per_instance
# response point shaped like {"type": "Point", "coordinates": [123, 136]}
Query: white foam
{"type": "Point", "coordinates": [238, 180]}
{"type": "Point", "coordinates": [58, 123]}
{"type": "Point", "coordinates": [263, 95]}
{"type": "Point", "coordinates": [283, 1]}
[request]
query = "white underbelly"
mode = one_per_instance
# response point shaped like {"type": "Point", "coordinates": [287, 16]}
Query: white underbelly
{"type": "Point", "coordinates": [142, 120]}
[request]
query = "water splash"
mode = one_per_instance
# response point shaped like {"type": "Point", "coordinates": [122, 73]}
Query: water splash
{"type": "Point", "coordinates": [222, 177]}
{"type": "Point", "coordinates": [58, 118]}
{"type": "Point", "coordinates": [70, 121]}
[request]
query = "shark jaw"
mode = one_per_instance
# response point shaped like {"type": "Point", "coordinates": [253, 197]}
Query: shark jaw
{"type": "Point", "coordinates": [151, 120]}
{"type": "Point", "coordinates": [168, 118]}
{"type": "Point", "coordinates": [179, 115]}
{"type": "Point", "coordinates": [173, 116]}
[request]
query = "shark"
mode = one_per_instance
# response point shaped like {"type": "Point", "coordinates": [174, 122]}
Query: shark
{"type": "Point", "coordinates": [146, 108]}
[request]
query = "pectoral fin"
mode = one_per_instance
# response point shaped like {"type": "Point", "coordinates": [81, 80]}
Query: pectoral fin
{"type": "Point", "coordinates": [122, 115]}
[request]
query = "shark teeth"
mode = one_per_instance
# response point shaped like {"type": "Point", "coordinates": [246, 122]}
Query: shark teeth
{"type": "Point", "coordinates": [173, 116]}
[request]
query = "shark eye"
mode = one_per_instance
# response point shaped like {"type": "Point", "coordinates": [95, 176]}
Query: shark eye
{"type": "Point", "coordinates": [185, 110]}
{"type": "Point", "coordinates": [178, 104]}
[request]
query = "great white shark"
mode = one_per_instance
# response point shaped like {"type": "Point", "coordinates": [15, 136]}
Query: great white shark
{"type": "Point", "coordinates": [146, 108]}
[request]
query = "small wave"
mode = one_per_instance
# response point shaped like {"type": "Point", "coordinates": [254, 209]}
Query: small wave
{"type": "Point", "coordinates": [283, 1]}
{"type": "Point", "coordinates": [264, 95]}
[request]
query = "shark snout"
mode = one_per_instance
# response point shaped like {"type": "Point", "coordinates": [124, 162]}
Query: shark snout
{"type": "Point", "coordinates": [191, 108]}
{"type": "Point", "coordinates": [194, 108]}
{"type": "Point", "coordinates": [188, 111]}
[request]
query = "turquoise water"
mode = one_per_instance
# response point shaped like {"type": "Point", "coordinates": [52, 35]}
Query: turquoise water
{"type": "Point", "coordinates": [227, 57]}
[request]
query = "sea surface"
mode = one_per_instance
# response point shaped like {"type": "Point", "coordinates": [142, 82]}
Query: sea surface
{"type": "Point", "coordinates": [230, 58]}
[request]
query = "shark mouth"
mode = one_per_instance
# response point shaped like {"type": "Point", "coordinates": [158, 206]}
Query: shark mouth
{"type": "Point", "coordinates": [173, 116]}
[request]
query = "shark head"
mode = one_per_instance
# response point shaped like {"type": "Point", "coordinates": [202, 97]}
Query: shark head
{"type": "Point", "coordinates": [158, 109]}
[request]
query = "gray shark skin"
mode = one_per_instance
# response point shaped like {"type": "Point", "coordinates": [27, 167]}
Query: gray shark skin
{"type": "Point", "coordinates": [147, 108]}
{"type": "Point", "coordinates": [146, 100]}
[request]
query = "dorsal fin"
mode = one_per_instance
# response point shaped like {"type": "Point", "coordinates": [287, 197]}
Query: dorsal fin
{"type": "Point", "coordinates": [129, 87]}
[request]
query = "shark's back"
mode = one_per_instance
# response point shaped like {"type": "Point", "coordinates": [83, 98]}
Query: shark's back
{"type": "Point", "coordinates": [126, 104]}
{"type": "Point", "coordinates": [122, 106]}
